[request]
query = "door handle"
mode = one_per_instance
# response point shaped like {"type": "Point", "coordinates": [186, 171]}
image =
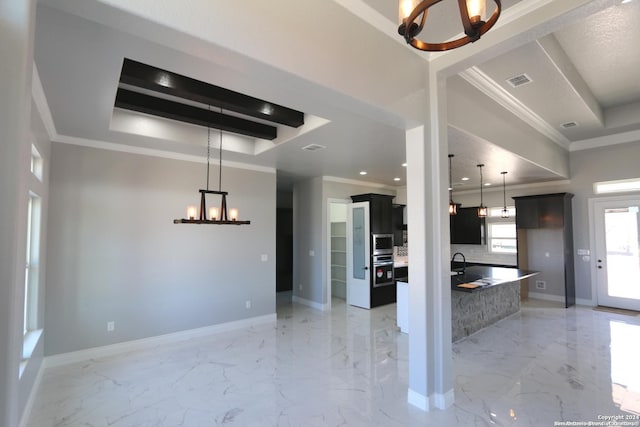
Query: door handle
{"type": "Point", "coordinates": [365, 268]}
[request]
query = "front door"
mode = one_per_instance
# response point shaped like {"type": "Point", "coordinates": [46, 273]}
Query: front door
{"type": "Point", "coordinates": [617, 252]}
{"type": "Point", "coordinates": [358, 255]}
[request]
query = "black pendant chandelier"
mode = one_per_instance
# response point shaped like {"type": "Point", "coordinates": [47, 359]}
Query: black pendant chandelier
{"type": "Point", "coordinates": [453, 207]}
{"type": "Point", "coordinates": [505, 211]}
{"type": "Point", "coordinates": [216, 216]}
{"type": "Point", "coordinates": [482, 209]}
{"type": "Point", "coordinates": [413, 16]}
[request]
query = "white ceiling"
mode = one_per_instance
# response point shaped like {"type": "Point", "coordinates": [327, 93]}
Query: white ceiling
{"type": "Point", "coordinates": [586, 72]}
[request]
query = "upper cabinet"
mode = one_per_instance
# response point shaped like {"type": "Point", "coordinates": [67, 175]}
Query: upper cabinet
{"type": "Point", "coordinates": [398, 225]}
{"type": "Point", "coordinates": [380, 211]}
{"type": "Point", "coordinates": [543, 211]}
{"type": "Point", "coordinates": [466, 227]}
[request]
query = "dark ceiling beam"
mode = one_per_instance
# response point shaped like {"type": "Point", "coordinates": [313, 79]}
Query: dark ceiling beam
{"type": "Point", "coordinates": [146, 76]}
{"type": "Point", "coordinates": [142, 103]}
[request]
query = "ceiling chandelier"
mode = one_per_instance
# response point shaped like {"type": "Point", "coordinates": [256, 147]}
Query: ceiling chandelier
{"type": "Point", "coordinates": [453, 207]}
{"type": "Point", "coordinates": [216, 216]}
{"type": "Point", "coordinates": [482, 209]}
{"type": "Point", "coordinates": [413, 16]}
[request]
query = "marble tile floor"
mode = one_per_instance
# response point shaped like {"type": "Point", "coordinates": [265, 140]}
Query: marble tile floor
{"type": "Point", "coordinates": [349, 368]}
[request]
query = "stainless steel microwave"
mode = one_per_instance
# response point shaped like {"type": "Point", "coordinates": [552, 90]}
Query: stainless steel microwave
{"type": "Point", "coordinates": [381, 244]}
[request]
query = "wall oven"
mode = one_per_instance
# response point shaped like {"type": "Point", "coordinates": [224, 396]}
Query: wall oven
{"type": "Point", "coordinates": [382, 244]}
{"type": "Point", "coordinates": [382, 270]}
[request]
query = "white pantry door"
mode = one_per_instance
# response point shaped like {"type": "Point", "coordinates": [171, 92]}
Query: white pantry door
{"type": "Point", "coordinates": [358, 255]}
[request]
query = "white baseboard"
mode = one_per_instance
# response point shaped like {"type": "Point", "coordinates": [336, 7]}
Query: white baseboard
{"type": "Point", "coordinates": [309, 303]}
{"type": "Point", "coordinates": [418, 400]}
{"type": "Point", "coordinates": [443, 401]}
{"type": "Point", "coordinates": [546, 297]}
{"type": "Point", "coordinates": [585, 302]}
{"type": "Point", "coordinates": [437, 400]}
{"type": "Point", "coordinates": [147, 343]}
{"type": "Point", "coordinates": [558, 298]}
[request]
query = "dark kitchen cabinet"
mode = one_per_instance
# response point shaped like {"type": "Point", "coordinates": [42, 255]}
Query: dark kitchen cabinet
{"type": "Point", "coordinates": [466, 227]}
{"type": "Point", "coordinates": [380, 212]}
{"type": "Point", "coordinates": [545, 243]}
{"type": "Point", "coordinates": [398, 224]}
{"type": "Point", "coordinates": [543, 211]}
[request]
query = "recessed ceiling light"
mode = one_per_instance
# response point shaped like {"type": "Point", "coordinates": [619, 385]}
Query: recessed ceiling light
{"type": "Point", "coordinates": [396, 179]}
{"type": "Point", "coordinates": [313, 147]}
{"type": "Point", "coordinates": [363, 172]}
{"type": "Point", "coordinates": [465, 178]}
{"type": "Point", "coordinates": [626, 1]}
{"type": "Point", "coordinates": [487, 184]}
{"type": "Point", "coordinates": [404, 164]}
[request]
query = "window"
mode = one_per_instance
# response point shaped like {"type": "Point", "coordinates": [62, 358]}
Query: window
{"type": "Point", "coordinates": [31, 264]}
{"type": "Point", "coordinates": [501, 231]}
{"type": "Point", "coordinates": [618, 186]}
{"type": "Point", "coordinates": [36, 163]}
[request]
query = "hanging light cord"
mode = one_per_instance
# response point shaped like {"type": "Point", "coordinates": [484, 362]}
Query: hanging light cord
{"type": "Point", "coordinates": [208, 149]}
{"type": "Point", "coordinates": [220, 161]}
{"type": "Point", "coordinates": [450, 184]}
{"type": "Point", "coordinates": [481, 204]}
{"type": "Point", "coordinates": [504, 190]}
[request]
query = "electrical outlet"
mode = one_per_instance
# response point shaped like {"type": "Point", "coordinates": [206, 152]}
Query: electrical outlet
{"type": "Point", "coordinates": [264, 257]}
{"type": "Point", "coordinates": [312, 253]}
{"type": "Point", "coordinates": [111, 326]}
{"type": "Point", "coordinates": [247, 304]}
{"type": "Point", "coordinates": [541, 284]}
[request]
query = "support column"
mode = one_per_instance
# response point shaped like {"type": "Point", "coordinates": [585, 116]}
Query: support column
{"type": "Point", "coordinates": [430, 359]}
{"type": "Point", "coordinates": [16, 51]}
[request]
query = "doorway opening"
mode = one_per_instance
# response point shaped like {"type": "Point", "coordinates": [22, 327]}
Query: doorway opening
{"type": "Point", "coordinates": [337, 274]}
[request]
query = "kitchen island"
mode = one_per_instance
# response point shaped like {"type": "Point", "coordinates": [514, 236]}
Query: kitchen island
{"type": "Point", "coordinates": [481, 295]}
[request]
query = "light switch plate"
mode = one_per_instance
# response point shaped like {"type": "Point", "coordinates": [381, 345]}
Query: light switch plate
{"type": "Point", "coordinates": [264, 257]}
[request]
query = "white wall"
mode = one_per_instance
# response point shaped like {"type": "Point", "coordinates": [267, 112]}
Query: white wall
{"type": "Point", "coordinates": [114, 253]}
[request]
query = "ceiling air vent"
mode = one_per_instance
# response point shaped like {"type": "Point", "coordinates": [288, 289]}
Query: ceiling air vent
{"type": "Point", "coordinates": [519, 80]}
{"type": "Point", "coordinates": [569, 125]}
{"type": "Point", "coordinates": [313, 147]}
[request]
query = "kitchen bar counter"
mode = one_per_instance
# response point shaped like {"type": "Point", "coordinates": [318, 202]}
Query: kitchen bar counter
{"type": "Point", "coordinates": [480, 278]}
{"type": "Point", "coordinates": [492, 294]}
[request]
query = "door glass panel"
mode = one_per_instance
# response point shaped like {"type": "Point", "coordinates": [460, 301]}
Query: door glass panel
{"type": "Point", "coordinates": [359, 257]}
{"type": "Point", "coordinates": [623, 255]}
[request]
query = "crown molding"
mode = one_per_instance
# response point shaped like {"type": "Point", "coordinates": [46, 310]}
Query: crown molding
{"type": "Point", "coordinates": [493, 90]}
{"type": "Point", "coordinates": [111, 146]}
{"type": "Point", "coordinates": [606, 141]}
{"type": "Point", "coordinates": [357, 182]}
{"type": "Point", "coordinates": [532, 185]}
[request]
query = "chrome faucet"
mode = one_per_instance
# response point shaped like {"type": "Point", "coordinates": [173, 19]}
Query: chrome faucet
{"type": "Point", "coordinates": [464, 262]}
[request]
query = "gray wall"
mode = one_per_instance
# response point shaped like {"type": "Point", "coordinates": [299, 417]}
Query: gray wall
{"type": "Point", "coordinates": [587, 167]}
{"type": "Point", "coordinates": [114, 253]}
{"type": "Point", "coordinates": [307, 236]}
